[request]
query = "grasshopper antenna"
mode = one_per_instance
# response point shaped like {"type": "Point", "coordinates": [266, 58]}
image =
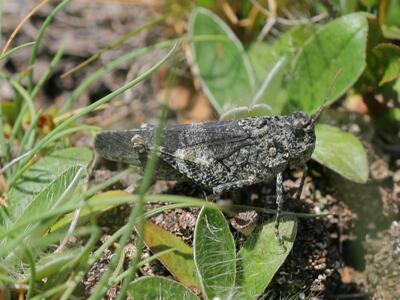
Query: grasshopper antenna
{"type": "Point", "coordinates": [323, 106]}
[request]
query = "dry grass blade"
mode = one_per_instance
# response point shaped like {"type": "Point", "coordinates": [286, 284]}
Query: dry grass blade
{"type": "Point", "coordinates": [23, 21]}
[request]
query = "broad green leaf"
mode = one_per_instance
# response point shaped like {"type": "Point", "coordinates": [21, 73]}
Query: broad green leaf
{"type": "Point", "coordinates": [220, 61]}
{"type": "Point", "coordinates": [179, 262]}
{"type": "Point", "coordinates": [261, 256]}
{"type": "Point", "coordinates": [214, 254]}
{"type": "Point", "coordinates": [156, 287]}
{"type": "Point", "coordinates": [338, 46]}
{"type": "Point", "coordinates": [389, 55]}
{"type": "Point", "coordinates": [52, 175]}
{"type": "Point", "coordinates": [342, 152]}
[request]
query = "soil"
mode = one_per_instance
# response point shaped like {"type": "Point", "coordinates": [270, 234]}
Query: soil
{"type": "Point", "coordinates": [353, 253]}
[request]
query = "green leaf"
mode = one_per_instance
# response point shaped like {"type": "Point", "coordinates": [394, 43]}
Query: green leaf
{"type": "Point", "coordinates": [261, 256]}
{"type": "Point", "coordinates": [214, 254]}
{"type": "Point", "coordinates": [179, 262]}
{"type": "Point", "coordinates": [389, 55]}
{"type": "Point", "coordinates": [156, 287]}
{"type": "Point", "coordinates": [338, 46]}
{"type": "Point", "coordinates": [342, 152]}
{"type": "Point", "coordinates": [41, 186]}
{"type": "Point", "coordinates": [220, 61]}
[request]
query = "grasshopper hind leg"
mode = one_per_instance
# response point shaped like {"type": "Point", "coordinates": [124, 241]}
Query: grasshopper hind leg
{"type": "Point", "coordinates": [304, 168]}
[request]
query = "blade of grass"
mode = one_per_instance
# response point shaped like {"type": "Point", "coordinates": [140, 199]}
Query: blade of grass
{"type": "Point", "coordinates": [39, 39]}
{"type": "Point", "coordinates": [60, 118]}
{"type": "Point", "coordinates": [144, 186]}
{"type": "Point", "coordinates": [15, 49]}
{"type": "Point", "coordinates": [91, 107]}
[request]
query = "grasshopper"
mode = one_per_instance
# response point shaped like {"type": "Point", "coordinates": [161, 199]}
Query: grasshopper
{"type": "Point", "coordinates": [220, 155]}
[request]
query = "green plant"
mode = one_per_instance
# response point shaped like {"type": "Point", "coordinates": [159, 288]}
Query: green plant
{"type": "Point", "coordinates": [213, 267]}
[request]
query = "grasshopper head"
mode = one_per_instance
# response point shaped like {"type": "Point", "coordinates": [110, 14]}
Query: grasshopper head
{"type": "Point", "coordinates": [302, 138]}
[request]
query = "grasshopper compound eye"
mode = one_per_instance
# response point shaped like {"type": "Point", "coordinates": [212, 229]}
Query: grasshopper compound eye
{"type": "Point", "coordinates": [300, 121]}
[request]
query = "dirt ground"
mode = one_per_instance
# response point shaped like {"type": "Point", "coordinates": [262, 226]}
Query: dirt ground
{"type": "Point", "coordinates": [354, 253]}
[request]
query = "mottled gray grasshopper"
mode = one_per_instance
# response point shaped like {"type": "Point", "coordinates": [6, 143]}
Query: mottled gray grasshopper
{"type": "Point", "coordinates": [220, 155]}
